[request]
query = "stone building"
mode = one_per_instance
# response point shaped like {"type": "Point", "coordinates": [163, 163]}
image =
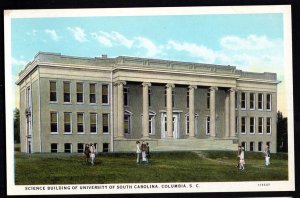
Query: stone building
{"type": "Point", "coordinates": [67, 101]}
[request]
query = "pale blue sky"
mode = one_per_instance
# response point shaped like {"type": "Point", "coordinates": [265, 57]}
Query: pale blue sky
{"type": "Point", "coordinates": [252, 42]}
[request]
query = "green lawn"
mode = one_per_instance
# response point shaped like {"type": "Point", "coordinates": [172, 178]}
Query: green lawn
{"type": "Point", "coordinates": [204, 166]}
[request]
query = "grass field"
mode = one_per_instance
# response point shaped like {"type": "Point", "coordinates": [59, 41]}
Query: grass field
{"type": "Point", "coordinates": [203, 166]}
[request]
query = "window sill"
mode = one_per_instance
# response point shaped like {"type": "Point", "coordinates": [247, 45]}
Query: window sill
{"type": "Point", "coordinates": [80, 133]}
{"type": "Point", "coordinates": [54, 133]}
{"type": "Point", "coordinates": [67, 133]}
{"type": "Point", "coordinates": [53, 102]}
{"type": "Point", "coordinates": [105, 104]}
{"type": "Point", "coordinates": [106, 133]}
{"type": "Point", "coordinates": [80, 103]}
{"type": "Point", "coordinates": [67, 103]}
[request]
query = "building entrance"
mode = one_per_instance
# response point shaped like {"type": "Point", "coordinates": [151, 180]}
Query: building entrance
{"type": "Point", "coordinates": [175, 125]}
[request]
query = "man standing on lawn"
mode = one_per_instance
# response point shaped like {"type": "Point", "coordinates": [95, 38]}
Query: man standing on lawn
{"type": "Point", "coordinates": [138, 152]}
{"type": "Point", "coordinates": [87, 153]}
{"type": "Point", "coordinates": [267, 155]}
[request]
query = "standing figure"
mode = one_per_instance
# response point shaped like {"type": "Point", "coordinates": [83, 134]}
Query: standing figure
{"type": "Point", "coordinates": [138, 152]}
{"type": "Point", "coordinates": [144, 149]}
{"type": "Point", "coordinates": [238, 156]}
{"type": "Point", "coordinates": [267, 155]}
{"type": "Point", "coordinates": [87, 153]}
{"type": "Point", "coordinates": [147, 152]}
{"type": "Point", "coordinates": [92, 153]}
{"type": "Point", "coordinates": [242, 159]}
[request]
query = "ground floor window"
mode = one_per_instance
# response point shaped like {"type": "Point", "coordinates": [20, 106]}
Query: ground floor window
{"type": "Point", "coordinates": [68, 147]}
{"type": "Point", "coordinates": [127, 122]}
{"type": "Point", "coordinates": [259, 148]}
{"type": "Point", "coordinates": [53, 148]}
{"type": "Point", "coordinates": [244, 145]}
{"type": "Point", "coordinates": [80, 147]}
{"type": "Point", "coordinates": [105, 147]}
{"type": "Point", "coordinates": [251, 146]}
{"type": "Point", "coordinates": [207, 125]}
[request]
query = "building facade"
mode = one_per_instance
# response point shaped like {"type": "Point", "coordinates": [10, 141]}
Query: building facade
{"type": "Point", "coordinates": [66, 102]}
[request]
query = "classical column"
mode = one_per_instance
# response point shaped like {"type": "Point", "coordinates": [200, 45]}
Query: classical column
{"type": "Point", "coordinates": [192, 110]}
{"type": "Point", "coordinates": [146, 109]}
{"type": "Point", "coordinates": [212, 108]}
{"type": "Point", "coordinates": [227, 129]}
{"type": "Point", "coordinates": [121, 108]}
{"type": "Point", "coordinates": [169, 111]}
{"type": "Point", "coordinates": [232, 112]}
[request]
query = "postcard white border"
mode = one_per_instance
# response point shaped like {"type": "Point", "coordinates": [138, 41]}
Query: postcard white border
{"type": "Point", "coordinates": [289, 185]}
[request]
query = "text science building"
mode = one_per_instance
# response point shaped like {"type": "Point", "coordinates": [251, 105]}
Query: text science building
{"type": "Point", "coordinates": [67, 101]}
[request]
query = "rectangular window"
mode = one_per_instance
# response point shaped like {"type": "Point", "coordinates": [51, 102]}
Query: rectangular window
{"type": "Point", "coordinates": [269, 102]}
{"type": "Point", "coordinates": [259, 146]}
{"type": "Point", "coordinates": [260, 125]}
{"type": "Point", "coordinates": [79, 92]}
{"type": "Point", "coordinates": [92, 93]}
{"type": "Point", "coordinates": [149, 96]}
{"type": "Point", "coordinates": [252, 125]}
{"type": "Point", "coordinates": [151, 125]}
{"type": "Point", "coordinates": [67, 92]}
{"type": "Point", "coordinates": [236, 100]}
{"type": "Point", "coordinates": [53, 148]}
{"type": "Point", "coordinates": [126, 96]}
{"type": "Point", "coordinates": [54, 120]}
{"type": "Point", "coordinates": [208, 99]}
{"type": "Point", "coordinates": [269, 125]}
{"type": "Point", "coordinates": [105, 122]}
{"type": "Point", "coordinates": [187, 98]}
{"type": "Point", "coordinates": [105, 147]}
{"type": "Point", "coordinates": [68, 122]}
{"type": "Point", "coordinates": [252, 101]}
{"type": "Point", "coordinates": [187, 124]}
{"type": "Point", "coordinates": [53, 97]}
{"type": "Point", "coordinates": [236, 124]}
{"type": "Point", "coordinates": [260, 101]}
{"type": "Point", "coordinates": [243, 125]}
{"type": "Point", "coordinates": [251, 146]}
{"type": "Point", "coordinates": [80, 124]}
{"type": "Point", "coordinates": [244, 145]}
{"type": "Point", "coordinates": [80, 148]}
{"type": "Point", "coordinates": [105, 94]}
{"type": "Point", "coordinates": [68, 148]}
{"type": "Point", "coordinates": [207, 125]}
{"type": "Point", "coordinates": [243, 100]}
{"type": "Point", "coordinates": [126, 124]}
{"type": "Point", "coordinates": [93, 122]}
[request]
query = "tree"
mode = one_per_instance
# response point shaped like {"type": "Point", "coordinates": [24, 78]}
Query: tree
{"type": "Point", "coordinates": [17, 125]}
{"type": "Point", "coordinates": [282, 133]}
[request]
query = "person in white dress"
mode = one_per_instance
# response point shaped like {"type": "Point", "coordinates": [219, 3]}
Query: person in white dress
{"type": "Point", "coordinates": [92, 153]}
{"type": "Point", "coordinates": [242, 159]}
{"type": "Point", "coordinates": [267, 155]}
{"type": "Point", "coordinates": [138, 152]}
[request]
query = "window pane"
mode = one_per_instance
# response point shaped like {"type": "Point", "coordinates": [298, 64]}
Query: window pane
{"type": "Point", "coordinates": [67, 117]}
{"type": "Point", "coordinates": [79, 87]}
{"type": "Point", "coordinates": [53, 86]}
{"type": "Point", "coordinates": [80, 117]}
{"type": "Point", "coordinates": [92, 88]}
{"type": "Point", "coordinates": [66, 87]}
{"type": "Point", "coordinates": [53, 117]}
{"type": "Point", "coordinates": [93, 118]}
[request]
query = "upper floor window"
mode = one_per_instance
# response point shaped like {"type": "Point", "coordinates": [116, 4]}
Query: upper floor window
{"type": "Point", "coordinates": [236, 100]}
{"type": "Point", "coordinates": [67, 92]}
{"type": "Point", "coordinates": [236, 124]}
{"type": "Point", "coordinates": [79, 92]}
{"type": "Point", "coordinates": [92, 93]}
{"type": "Point", "coordinates": [105, 94]}
{"type": "Point", "coordinates": [243, 100]}
{"type": "Point", "coordinates": [126, 96]}
{"type": "Point", "coordinates": [80, 123]}
{"type": "Point", "coordinates": [260, 101]}
{"type": "Point", "coordinates": [53, 97]}
{"type": "Point", "coordinates": [243, 125]}
{"type": "Point", "coordinates": [68, 122]}
{"type": "Point", "coordinates": [149, 96]}
{"type": "Point", "coordinates": [260, 125]}
{"type": "Point", "coordinates": [54, 122]}
{"type": "Point", "coordinates": [187, 98]}
{"type": "Point", "coordinates": [269, 102]}
{"type": "Point", "coordinates": [208, 99]}
{"type": "Point", "coordinates": [93, 122]}
{"type": "Point", "coordinates": [252, 125]}
{"type": "Point", "coordinates": [269, 125]}
{"type": "Point", "coordinates": [105, 122]}
{"type": "Point", "coordinates": [252, 101]}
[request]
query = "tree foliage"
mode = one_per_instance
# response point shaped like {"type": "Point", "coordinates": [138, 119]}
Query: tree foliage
{"type": "Point", "coordinates": [17, 125]}
{"type": "Point", "coordinates": [282, 133]}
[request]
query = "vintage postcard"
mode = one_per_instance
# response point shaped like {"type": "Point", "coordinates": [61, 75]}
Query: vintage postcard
{"type": "Point", "coordinates": [149, 100]}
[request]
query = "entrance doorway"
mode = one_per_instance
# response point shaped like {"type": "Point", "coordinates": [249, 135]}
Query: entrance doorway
{"type": "Point", "coordinates": [175, 125]}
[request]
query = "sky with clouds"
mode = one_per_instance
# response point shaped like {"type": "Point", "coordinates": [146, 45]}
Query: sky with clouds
{"type": "Point", "coordinates": [251, 42]}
